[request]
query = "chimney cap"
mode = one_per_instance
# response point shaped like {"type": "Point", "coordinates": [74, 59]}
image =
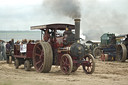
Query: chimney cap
{"type": "Point", "coordinates": [76, 19]}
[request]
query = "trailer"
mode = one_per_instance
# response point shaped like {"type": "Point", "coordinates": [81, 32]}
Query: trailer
{"type": "Point", "coordinates": [23, 55]}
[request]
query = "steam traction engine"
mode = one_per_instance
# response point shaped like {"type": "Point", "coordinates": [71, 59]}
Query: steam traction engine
{"type": "Point", "coordinates": [113, 47]}
{"type": "Point", "coordinates": [64, 50]}
{"type": "Point", "coordinates": [108, 47]}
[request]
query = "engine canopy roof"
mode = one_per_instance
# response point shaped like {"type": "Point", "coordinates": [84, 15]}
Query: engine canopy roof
{"type": "Point", "coordinates": [58, 26]}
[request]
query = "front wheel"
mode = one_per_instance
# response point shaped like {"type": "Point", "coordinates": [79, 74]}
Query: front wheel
{"type": "Point", "coordinates": [16, 63]}
{"type": "Point", "coordinates": [74, 68]}
{"type": "Point", "coordinates": [66, 64]}
{"type": "Point", "coordinates": [27, 65]}
{"type": "Point", "coordinates": [10, 59]}
{"type": "Point", "coordinates": [89, 66]}
{"type": "Point", "coordinates": [7, 59]}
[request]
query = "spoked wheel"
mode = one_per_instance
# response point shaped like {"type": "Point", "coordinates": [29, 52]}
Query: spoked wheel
{"type": "Point", "coordinates": [89, 66]}
{"type": "Point", "coordinates": [121, 52]}
{"type": "Point", "coordinates": [27, 65]}
{"type": "Point", "coordinates": [16, 63]}
{"type": "Point", "coordinates": [66, 64]}
{"type": "Point", "coordinates": [42, 57]}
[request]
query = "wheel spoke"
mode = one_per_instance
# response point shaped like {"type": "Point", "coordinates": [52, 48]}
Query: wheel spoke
{"type": "Point", "coordinates": [63, 61]}
{"type": "Point", "coordinates": [39, 48]}
{"type": "Point", "coordinates": [37, 54]}
{"type": "Point", "coordinates": [66, 69]}
{"type": "Point", "coordinates": [40, 67]}
{"type": "Point", "coordinates": [39, 62]}
{"type": "Point", "coordinates": [66, 59]}
{"type": "Point", "coordinates": [42, 55]}
{"type": "Point", "coordinates": [88, 69]}
{"type": "Point", "coordinates": [67, 64]}
{"type": "Point", "coordinates": [42, 52]}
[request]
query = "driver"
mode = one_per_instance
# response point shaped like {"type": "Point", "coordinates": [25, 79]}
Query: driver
{"type": "Point", "coordinates": [126, 41]}
{"type": "Point", "coordinates": [46, 35]}
{"type": "Point", "coordinates": [68, 36]}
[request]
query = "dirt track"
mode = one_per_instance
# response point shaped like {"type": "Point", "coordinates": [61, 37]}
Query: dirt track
{"type": "Point", "coordinates": [106, 73]}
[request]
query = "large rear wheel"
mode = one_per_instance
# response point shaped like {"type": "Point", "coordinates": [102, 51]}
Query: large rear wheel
{"type": "Point", "coordinates": [121, 53]}
{"type": "Point", "coordinates": [66, 64]}
{"type": "Point", "coordinates": [42, 57]}
{"type": "Point", "coordinates": [89, 66]}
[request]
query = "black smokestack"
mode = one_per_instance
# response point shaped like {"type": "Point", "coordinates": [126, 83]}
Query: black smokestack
{"type": "Point", "coordinates": [77, 28]}
{"type": "Point", "coordinates": [69, 8]}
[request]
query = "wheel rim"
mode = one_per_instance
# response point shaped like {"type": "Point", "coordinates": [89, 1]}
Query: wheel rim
{"type": "Point", "coordinates": [89, 67]}
{"type": "Point", "coordinates": [121, 53]}
{"type": "Point", "coordinates": [38, 57]}
{"type": "Point", "coordinates": [66, 64]}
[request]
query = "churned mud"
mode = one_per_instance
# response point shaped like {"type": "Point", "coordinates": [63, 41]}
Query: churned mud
{"type": "Point", "coordinates": [106, 73]}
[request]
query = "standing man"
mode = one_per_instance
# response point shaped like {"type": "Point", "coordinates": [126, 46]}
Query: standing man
{"type": "Point", "coordinates": [2, 51]}
{"type": "Point", "coordinates": [8, 48]}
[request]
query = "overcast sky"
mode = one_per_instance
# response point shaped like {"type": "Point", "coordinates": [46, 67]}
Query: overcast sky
{"type": "Point", "coordinates": [97, 16]}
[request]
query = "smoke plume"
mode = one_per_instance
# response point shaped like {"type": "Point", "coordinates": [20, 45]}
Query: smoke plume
{"type": "Point", "coordinates": [104, 17]}
{"type": "Point", "coordinates": [68, 8]}
{"type": "Point", "coordinates": [97, 16]}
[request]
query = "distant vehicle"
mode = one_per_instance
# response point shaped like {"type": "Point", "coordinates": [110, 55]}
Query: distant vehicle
{"type": "Point", "coordinates": [113, 47]}
{"type": "Point", "coordinates": [122, 48]}
{"type": "Point", "coordinates": [92, 45]}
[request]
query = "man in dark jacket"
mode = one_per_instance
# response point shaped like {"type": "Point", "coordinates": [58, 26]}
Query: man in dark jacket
{"type": "Point", "coordinates": [8, 49]}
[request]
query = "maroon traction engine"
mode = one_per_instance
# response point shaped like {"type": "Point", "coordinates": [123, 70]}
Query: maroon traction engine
{"type": "Point", "coordinates": [64, 50]}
